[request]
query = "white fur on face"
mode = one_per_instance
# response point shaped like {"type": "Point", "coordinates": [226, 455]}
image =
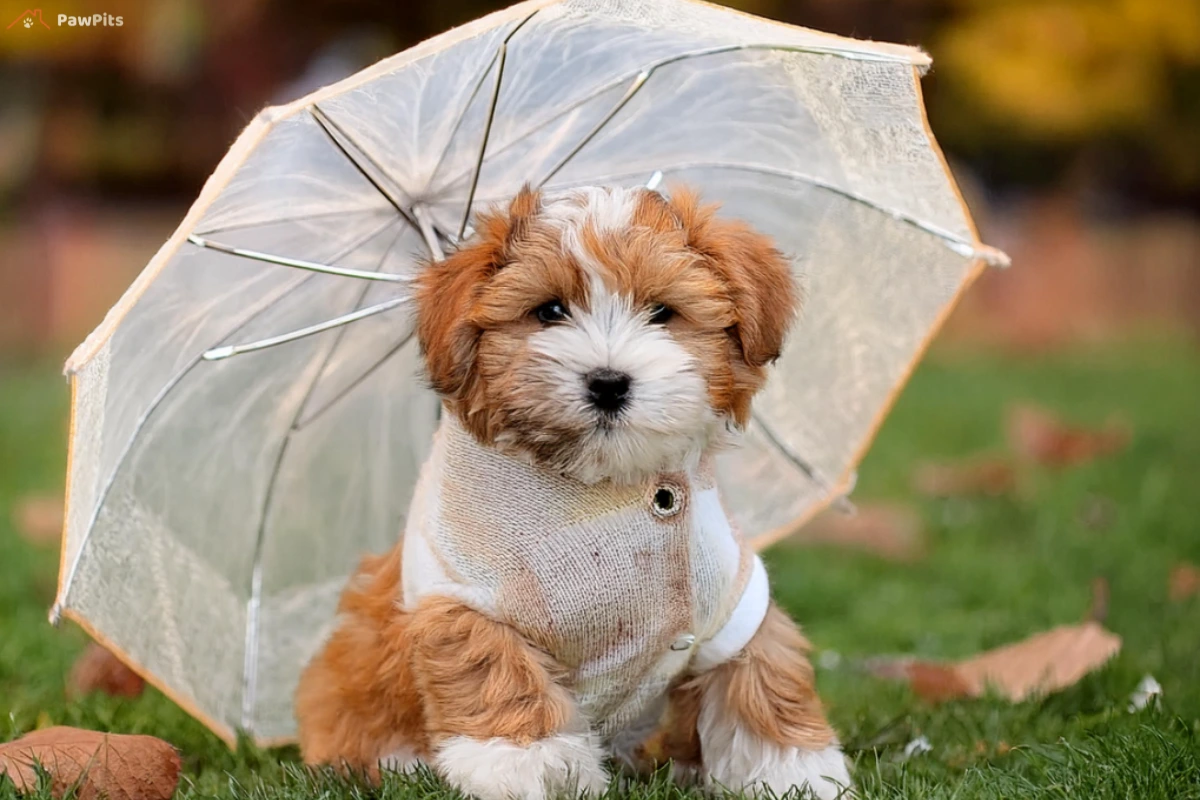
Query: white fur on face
{"type": "Point", "coordinates": [667, 421]}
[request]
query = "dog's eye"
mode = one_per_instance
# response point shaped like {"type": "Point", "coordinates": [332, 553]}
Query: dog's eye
{"type": "Point", "coordinates": [549, 313]}
{"type": "Point", "coordinates": [659, 314]}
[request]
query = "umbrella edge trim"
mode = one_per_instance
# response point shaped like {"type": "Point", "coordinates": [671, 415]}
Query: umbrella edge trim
{"type": "Point", "coordinates": [978, 264]}
{"type": "Point", "coordinates": [223, 732]}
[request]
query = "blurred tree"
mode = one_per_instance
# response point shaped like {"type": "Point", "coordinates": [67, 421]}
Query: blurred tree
{"type": "Point", "coordinates": [1101, 84]}
{"type": "Point", "coordinates": [1103, 93]}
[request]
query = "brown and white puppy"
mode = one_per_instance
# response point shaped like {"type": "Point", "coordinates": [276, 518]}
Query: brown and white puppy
{"type": "Point", "coordinates": [569, 582]}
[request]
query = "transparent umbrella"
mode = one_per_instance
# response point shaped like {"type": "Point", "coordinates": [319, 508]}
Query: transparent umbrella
{"type": "Point", "coordinates": [250, 417]}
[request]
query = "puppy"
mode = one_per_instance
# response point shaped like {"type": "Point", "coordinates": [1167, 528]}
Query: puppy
{"type": "Point", "coordinates": [568, 587]}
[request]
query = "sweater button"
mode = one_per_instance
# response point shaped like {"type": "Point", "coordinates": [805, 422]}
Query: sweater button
{"type": "Point", "coordinates": [684, 642]}
{"type": "Point", "coordinates": [666, 501]}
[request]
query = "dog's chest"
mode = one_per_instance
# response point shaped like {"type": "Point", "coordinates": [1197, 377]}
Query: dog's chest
{"type": "Point", "coordinates": [619, 583]}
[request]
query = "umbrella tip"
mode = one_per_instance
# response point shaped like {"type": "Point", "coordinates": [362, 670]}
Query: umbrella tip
{"type": "Point", "coordinates": [218, 353]}
{"type": "Point", "coordinates": [56, 614]}
{"type": "Point", "coordinates": [993, 257]}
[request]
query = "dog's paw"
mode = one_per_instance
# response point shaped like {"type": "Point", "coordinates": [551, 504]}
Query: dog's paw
{"type": "Point", "coordinates": [403, 759]}
{"type": "Point", "coordinates": [561, 766]}
{"type": "Point", "coordinates": [823, 773]}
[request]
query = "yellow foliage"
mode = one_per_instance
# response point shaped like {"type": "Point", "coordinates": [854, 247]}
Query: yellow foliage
{"type": "Point", "coordinates": [1065, 69]}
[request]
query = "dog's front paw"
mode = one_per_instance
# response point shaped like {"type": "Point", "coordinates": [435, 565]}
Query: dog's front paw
{"type": "Point", "coordinates": [561, 766]}
{"type": "Point", "coordinates": [823, 773]}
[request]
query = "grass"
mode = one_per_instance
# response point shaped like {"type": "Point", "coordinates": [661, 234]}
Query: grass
{"type": "Point", "coordinates": [997, 570]}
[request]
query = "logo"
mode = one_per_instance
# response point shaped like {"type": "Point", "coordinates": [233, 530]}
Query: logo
{"type": "Point", "coordinates": [27, 18]}
{"type": "Point", "coordinates": [93, 21]}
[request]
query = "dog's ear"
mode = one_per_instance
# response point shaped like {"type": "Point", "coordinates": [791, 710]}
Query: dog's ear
{"type": "Point", "coordinates": [447, 291]}
{"type": "Point", "coordinates": [758, 276]}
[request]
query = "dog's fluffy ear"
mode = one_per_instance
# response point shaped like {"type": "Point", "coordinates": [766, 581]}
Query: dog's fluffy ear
{"type": "Point", "coordinates": [447, 291]}
{"type": "Point", "coordinates": [758, 276]}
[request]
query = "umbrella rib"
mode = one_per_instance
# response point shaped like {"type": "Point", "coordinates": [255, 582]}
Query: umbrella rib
{"type": "Point", "coordinates": [144, 419]}
{"type": "Point", "coordinates": [475, 92]}
{"type": "Point", "coordinates": [502, 57]}
{"type": "Point", "coordinates": [712, 51]}
{"type": "Point", "coordinates": [301, 424]}
{"type": "Point", "coordinates": [429, 232]}
{"type": "Point", "coordinates": [333, 131]}
{"type": "Point", "coordinates": [842, 503]}
{"type": "Point", "coordinates": [639, 81]}
{"type": "Point", "coordinates": [282, 220]}
{"type": "Point", "coordinates": [955, 242]}
{"type": "Point", "coordinates": [311, 266]}
{"type": "Point", "coordinates": [799, 463]}
{"type": "Point", "coordinates": [254, 603]}
{"type": "Point", "coordinates": [227, 351]}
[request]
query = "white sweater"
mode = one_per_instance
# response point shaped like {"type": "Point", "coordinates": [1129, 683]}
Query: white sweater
{"type": "Point", "coordinates": [629, 587]}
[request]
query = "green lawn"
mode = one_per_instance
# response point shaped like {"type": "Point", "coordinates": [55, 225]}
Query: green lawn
{"type": "Point", "coordinates": [997, 570]}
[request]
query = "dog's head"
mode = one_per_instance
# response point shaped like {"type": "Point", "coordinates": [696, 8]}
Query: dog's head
{"type": "Point", "coordinates": [605, 333]}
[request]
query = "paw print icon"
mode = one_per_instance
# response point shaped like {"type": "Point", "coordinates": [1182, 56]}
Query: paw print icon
{"type": "Point", "coordinates": [28, 17]}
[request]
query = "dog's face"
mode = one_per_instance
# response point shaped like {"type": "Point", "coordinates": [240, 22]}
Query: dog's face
{"type": "Point", "coordinates": [605, 333]}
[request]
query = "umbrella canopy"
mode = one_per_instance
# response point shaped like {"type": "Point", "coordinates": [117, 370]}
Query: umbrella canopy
{"type": "Point", "coordinates": [250, 418]}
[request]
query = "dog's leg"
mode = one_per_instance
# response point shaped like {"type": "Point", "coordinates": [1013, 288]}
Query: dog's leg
{"type": "Point", "coordinates": [356, 704]}
{"type": "Point", "coordinates": [761, 722]}
{"type": "Point", "coordinates": [500, 722]}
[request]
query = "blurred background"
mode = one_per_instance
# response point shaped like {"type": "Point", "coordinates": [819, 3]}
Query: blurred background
{"type": "Point", "coordinates": [1072, 125]}
{"type": "Point", "coordinates": [1040, 469]}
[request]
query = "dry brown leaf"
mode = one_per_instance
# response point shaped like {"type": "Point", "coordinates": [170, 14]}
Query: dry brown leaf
{"type": "Point", "coordinates": [936, 682]}
{"type": "Point", "coordinates": [1184, 581]}
{"type": "Point", "coordinates": [989, 475]}
{"type": "Point", "coordinates": [39, 518]}
{"type": "Point", "coordinates": [99, 765]}
{"type": "Point", "coordinates": [98, 670]}
{"type": "Point", "coordinates": [892, 531]}
{"type": "Point", "coordinates": [1038, 435]}
{"type": "Point", "coordinates": [1043, 663]}
{"type": "Point", "coordinates": [1098, 610]}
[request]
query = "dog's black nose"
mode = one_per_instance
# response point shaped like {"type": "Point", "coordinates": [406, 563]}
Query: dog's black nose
{"type": "Point", "coordinates": [608, 389]}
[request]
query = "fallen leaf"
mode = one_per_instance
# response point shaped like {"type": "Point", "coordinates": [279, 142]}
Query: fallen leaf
{"type": "Point", "coordinates": [1044, 663]}
{"type": "Point", "coordinates": [936, 682]}
{"type": "Point", "coordinates": [98, 670]}
{"type": "Point", "coordinates": [39, 518]}
{"type": "Point", "coordinates": [1098, 610]}
{"type": "Point", "coordinates": [988, 476]}
{"type": "Point", "coordinates": [1184, 581]}
{"type": "Point", "coordinates": [1039, 436]}
{"type": "Point", "coordinates": [892, 531]}
{"type": "Point", "coordinates": [96, 765]}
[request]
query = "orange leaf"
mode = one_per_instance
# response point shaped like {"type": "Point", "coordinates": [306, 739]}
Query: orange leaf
{"type": "Point", "coordinates": [976, 476]}
{"type": "Point", "coordinates": [97, 765]}
{"type": "Point", "coordinates": [39, 518]}
{"type": "Point", "coordinates": [1098, 611]}
{"type": "Point", "coordinates": [1041, 437]}
{"type": "Point", "coordinates": [98, 670]}
{"type": "Point", "coordinates": [891, 531]}
{"type": "Point", "coordinates": [1044, 663]}
{"type": "Point", "coordinates": [1184, 581]}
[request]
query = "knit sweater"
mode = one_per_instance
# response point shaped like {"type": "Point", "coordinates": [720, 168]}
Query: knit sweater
{"type": "Point", "coordinates": [629, 587]}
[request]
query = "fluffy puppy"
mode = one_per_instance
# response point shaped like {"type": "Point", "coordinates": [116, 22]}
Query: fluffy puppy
{"type": "Point", "coordinates": [568, 587]}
